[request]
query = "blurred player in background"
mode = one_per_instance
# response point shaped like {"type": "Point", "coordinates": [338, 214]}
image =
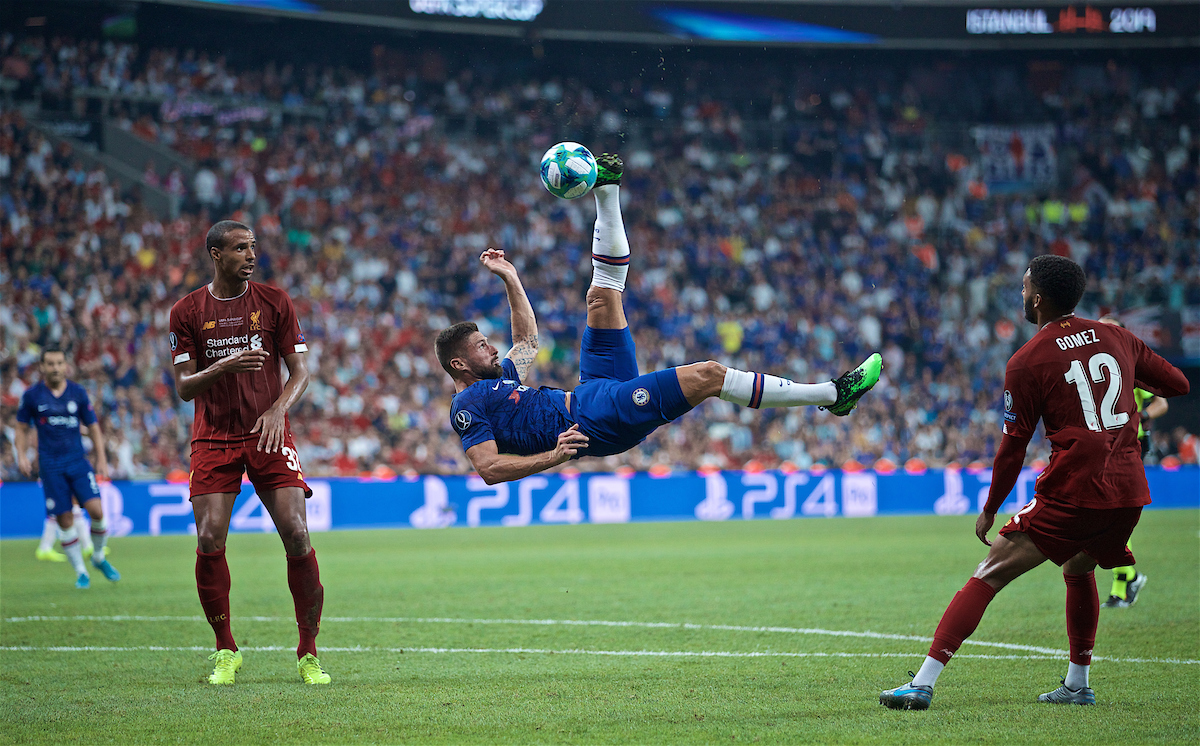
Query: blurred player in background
{"type": "Point", "coordinates": [58, 408]}
{"type": "Point", "coordinates": [510, 431]}
{"type": "Point", "coordinates": [45, 551]}
{"type": "Point", "coordinates": [1076, 375]}
{"type": "Point", "coordinates": [1127, 581]}
{"type": "Point", "coordinates": [228, 340]}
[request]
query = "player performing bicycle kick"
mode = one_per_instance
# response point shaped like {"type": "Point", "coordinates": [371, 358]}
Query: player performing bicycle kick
{"type": "Point", "coordinates": [510, 430]}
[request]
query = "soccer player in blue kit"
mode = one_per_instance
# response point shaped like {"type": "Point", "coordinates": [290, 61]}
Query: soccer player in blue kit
{"type": "Point", "coordinates": [57, 407]}
{"type": "Point", "coordinates": [510, 430]}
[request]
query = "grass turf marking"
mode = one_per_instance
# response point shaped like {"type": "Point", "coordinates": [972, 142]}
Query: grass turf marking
{"type": "Point", "coordinates": [570, 651]}
{"type": "Point", "coordinates": [1042, 653]}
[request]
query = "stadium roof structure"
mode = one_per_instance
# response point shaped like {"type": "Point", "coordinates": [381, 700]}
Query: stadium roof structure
{"type": "Point", "coordinates": [898, 24]}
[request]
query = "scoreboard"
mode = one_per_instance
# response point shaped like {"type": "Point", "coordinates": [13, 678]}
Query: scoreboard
{"type": "Point", "coordinates": [900, 24]}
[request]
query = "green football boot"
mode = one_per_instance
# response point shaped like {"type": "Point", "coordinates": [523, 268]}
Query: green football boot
{"type": "Point", "coordinates": [608, 169]}
{"type": "Point", "coordinates": [854, 383]}
{"type": "Point", "coordinates": [229, 662]}
{"type": "Point", "coordinates": [311, 671]}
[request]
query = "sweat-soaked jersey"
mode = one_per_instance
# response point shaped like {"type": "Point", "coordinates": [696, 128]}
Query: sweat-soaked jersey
{"type": "Point", "coordinates": [1078, 376]}
{"type": "Point", "coordinates": [205, 328]}
{"type": "Point", "coordinates": [522, 420]}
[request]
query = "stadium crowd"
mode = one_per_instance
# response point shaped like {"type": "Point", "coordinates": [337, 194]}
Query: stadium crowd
{"type": "Point", "coordinates": [784, 219]}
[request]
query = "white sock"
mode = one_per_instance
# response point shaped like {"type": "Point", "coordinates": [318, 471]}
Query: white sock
{"type": "Point", "coordinates": [760, 390]}
{"type": "Point", "coordinates": [49, 534]}
{"type": "Point", "coordinates": [610, 245]}
{"type": "Point", "coordinates": [83, 519]}
{"type": "Point", "coordinates": [99, 539]}
{"type": "Point", "coordinates": [70, 543]}
{"type": "Point", "coordinates": [930, 670]}
{"type": "Point", "coordinates": [1077, 676]}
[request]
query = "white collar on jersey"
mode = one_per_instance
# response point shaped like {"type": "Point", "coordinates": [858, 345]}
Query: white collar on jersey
{"type": "Point", "coordinates": [239, 295]}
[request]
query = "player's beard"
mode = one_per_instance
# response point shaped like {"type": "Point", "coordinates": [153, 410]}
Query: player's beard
{"type": "Point", "coordinates": [495, 370]}
{"type": "Point", "coordinates": [1030, 316]}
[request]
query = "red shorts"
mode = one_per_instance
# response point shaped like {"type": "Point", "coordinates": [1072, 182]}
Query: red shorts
{"type": "Point", "coordinates": [221, 469]}
{"type": "Point", "coordinates": [1062, 531]}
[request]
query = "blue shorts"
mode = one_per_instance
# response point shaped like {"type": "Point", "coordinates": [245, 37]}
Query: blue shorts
{"type": "Point", "coordinates": [614, 406]}
{"type": "Point", "coordinates": [59, 483]}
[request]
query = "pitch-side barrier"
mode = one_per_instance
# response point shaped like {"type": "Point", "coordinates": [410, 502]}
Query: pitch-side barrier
{"type": "Point", "coordinates": [153, 508]}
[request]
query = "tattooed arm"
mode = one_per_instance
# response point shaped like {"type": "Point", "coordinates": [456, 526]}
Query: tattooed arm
{"type": "Point", "coordinates": [524, 325]}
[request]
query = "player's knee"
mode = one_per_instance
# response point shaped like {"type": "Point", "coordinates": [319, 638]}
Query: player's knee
{"type": "Point", "coordinates": [598, 297]}
{"type": "Point", "coordinates": [993, 573]}
{"type": "Point", "coordinates": [1080, 564]}
{"type": "Point", "coordinates": [209, 541]}
{"type": "Point", "coordinates": [295, 538]}
{"type": "Point", "coordinates": [713, 373]}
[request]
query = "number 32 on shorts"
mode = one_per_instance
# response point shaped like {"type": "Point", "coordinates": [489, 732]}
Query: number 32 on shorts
{"type": "Point", "coordinates": [293, 458]}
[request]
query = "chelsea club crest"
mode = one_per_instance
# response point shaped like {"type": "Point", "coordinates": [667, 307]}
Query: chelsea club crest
{"type": "Point", "coordinates": [641, 397]}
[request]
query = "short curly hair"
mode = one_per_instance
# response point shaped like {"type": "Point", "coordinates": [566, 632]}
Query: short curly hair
{"type": "Point", "coordinates": [451, 342]}
{"type": "Point", "coordinates": [1058, 279]}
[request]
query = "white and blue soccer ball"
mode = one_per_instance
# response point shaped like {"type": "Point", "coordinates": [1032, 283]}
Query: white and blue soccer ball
{"type": "Point", "coordinates": [568, 170]}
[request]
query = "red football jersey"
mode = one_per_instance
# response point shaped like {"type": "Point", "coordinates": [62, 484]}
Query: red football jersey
{"type": "Point", "coordinates": [205, 328]}
{"type": "Point", "coordinates": [1078, 377]}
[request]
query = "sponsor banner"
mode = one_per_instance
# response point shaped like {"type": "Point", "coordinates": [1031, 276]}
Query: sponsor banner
{"type": "Point", "coordinates": [154, 508]}
{"type": "Point", "coordinates": [1016, 158]}
{"type": "Point", "coordinates": [172, 110]}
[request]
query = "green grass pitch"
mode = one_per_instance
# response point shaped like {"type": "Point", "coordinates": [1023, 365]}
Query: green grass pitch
{"type": "Point", "coordinates": [421, 638]}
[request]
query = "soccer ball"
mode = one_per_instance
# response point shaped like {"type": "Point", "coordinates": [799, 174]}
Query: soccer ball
{"type": "Point", "coordinates": [568, 170]}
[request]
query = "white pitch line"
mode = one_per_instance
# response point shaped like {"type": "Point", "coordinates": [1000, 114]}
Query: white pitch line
{"type": "Point", "coordinates": [1053, 652]}
{"type": "Point", "coordinates": [553, 622]}
{"type": "Point", "coordinates": [545, 651]}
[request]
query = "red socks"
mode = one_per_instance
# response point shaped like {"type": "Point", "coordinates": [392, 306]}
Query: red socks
{"type": "Point", "coordinates": [304, 579]}
{"type": "Point", "coordinates": [212, 583]}
{"type": "Point", "coordinates": [962, 617]}
{"type": "Point", "coordinates": [1083, 615]}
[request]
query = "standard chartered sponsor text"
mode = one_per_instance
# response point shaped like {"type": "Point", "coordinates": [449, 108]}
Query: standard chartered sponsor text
{"type": "Point", "coordinates": [230, 345]}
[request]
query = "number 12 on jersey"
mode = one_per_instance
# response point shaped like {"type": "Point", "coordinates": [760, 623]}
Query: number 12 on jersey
{"type": "Point", "coordinates": [1097, 365]}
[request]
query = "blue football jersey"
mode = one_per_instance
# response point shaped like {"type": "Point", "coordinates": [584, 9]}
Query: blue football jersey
{"type": "Point", "coordinates": [522, 420]}
{"type": "Point", "coordinates": [57, 419]}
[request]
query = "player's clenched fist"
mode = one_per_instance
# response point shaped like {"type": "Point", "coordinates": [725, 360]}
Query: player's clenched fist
{"type": "Point", "coordinates": [570, 442]}
{"type": "Point", "coordinates": [245, 361]}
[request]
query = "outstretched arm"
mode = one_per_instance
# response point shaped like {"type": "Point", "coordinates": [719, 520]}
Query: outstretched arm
{"type": "Point", "coordinates": [524, 324]}
{"type": "Point", "coordinates": [494, 466]}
